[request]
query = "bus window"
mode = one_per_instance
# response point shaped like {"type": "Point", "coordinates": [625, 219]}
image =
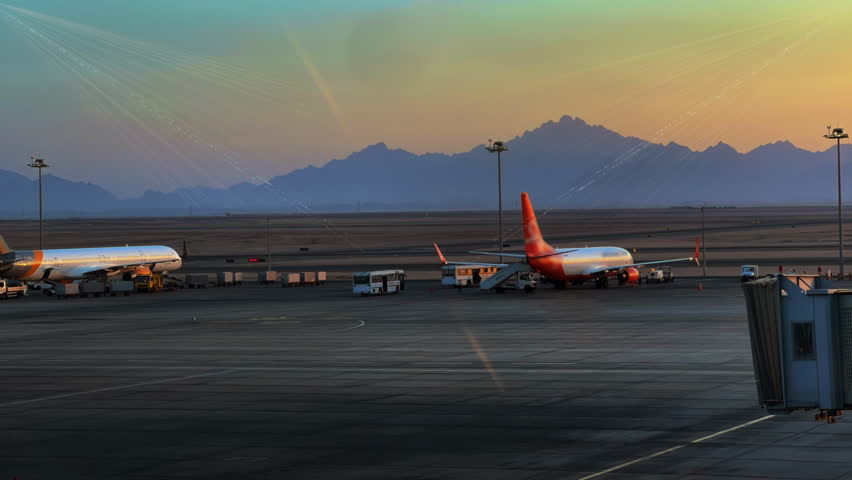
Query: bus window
{"type": "Point", "coordinates": [361, 279]}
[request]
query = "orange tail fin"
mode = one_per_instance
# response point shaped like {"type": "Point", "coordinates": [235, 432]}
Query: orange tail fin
{"type": "Point", "coordinates": [533, 241]}
{"type": "Point", "coordinates": [697, 254]}
{"type": "Point", "coordinates": [4, 247]}
{"type": "Point", "coordinates": [440, 255]}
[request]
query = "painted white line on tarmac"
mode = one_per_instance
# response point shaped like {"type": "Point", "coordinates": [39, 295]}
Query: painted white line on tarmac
{"type": "Point", "coordinates": [382, 369]}
{"type": "Point", "coordinates": [543, 363]}
{"type": "Point", "coordinates": [110, 389]}
{"type": "Point", "coordinates": [675, 448]}
{"type": "Point", "coordinates": [361, 324]}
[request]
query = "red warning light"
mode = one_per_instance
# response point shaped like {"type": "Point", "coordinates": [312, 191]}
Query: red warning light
{"type": "Point", "coordinates": [256, 260]}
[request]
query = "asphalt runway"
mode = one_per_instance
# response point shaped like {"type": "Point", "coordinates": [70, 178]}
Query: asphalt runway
{"type": "Point", "coordinates": [262, 382]}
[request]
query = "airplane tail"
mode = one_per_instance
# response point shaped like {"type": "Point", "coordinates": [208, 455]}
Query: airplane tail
{"type": "Point", "coordinates": [4, 247]}
{"type": "Point", "coordinates": [440, 255]}
{"type": "Point", "coordinates": [696, 256]}
{"type": "Point", "coordinates": [533, 241]}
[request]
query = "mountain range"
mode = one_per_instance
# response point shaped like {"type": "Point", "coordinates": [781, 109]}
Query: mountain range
{"type": "Point", "coordinates": [562, 164]}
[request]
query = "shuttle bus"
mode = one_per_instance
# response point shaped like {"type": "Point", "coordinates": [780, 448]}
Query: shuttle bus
{"type": "Point", "coordinates": [466, 275]}
{"type": "Point", "coordinates": [378, 282]}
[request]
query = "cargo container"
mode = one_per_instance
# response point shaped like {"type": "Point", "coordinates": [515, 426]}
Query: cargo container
{"type": "Point", "coordinates": [238, 278]}
{"type": "Point", "coordinates": [308, 278]}
{"type": "Point", "coordinates": [196, 280]}
{"type": "Point", "coordinates": [267, 277]}
{"type": "Point", "coordinates": [291, 280]}
{"type": "Point", "coordinates": [63, 290]}
{"type": "Point", "coordinates": [321, 278]}
{"type": "Point", "coordinates": [123, 287]}
{"type": "Point", "coordinates": [225, 279]}
{"type": "Point", "coordinates": [92, 288]}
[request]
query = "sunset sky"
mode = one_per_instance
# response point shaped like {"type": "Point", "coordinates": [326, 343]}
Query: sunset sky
{"type": "Point", "coordinates": [161, 93]}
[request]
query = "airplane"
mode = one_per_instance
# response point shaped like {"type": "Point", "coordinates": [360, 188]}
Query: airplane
{"type": "Point", "coordinates": [84, 263]}
{"type": "Point", "coordinates": [564, 266]}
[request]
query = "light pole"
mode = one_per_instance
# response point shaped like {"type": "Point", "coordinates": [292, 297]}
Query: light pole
{"type": "Point", "coordinates": [39, 163]}
{"type": "Point", "coordinates": [837, 134]}
{"type": "Point", "coordinates": [268, 251]}
{"type": "Point", "coordinates": [498, 147]}
{"type": "Point", "coordinates": [703, 253]}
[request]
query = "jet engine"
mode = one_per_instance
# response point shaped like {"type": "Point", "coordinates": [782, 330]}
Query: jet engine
{"type": "Point", "coordinates": [139, 271]}
{"type": "Point", "coordinates": [628, 275]}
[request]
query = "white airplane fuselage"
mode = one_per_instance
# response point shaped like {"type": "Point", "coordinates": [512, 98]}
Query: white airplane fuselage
{"type": "Point", "coordinates": [577, 263]}
{"type": "Point", "coordinates": [80, 263]}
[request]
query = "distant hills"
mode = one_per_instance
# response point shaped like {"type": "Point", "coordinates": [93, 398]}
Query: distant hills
{"type": "Point", "coordinates": [564, 164]}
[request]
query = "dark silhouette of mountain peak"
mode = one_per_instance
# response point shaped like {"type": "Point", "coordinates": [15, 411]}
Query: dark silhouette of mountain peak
{"type": "Point", "coordinates": [569, 135]}
{"type": "Point", "coordinates": [722, 149]}
{"type": "Point", "coordinates": [781, 147]}
{"type": "Point", "coordinates": [380, 147]}
{"type": "Point", "coordinates": [562, 163]}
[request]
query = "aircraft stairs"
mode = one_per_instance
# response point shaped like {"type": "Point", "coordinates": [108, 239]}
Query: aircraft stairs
{"type": "Point", "coordinates": [504, 274]}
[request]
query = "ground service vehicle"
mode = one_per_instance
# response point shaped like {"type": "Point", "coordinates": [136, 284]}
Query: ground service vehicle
{"type": "Point", "coordinates": [148, 283]}
{"type": "Point", "coordinates": [197, 280]}
{"type": "Point", "coordinates": [378, 282]}
{"type": "Point", "coordinates": [748, 273]}
{"type": "Point", "coordinates": [12, 288]}
{"type": "Point", "coordinates": [466, 275]}
{"type": "Point", "coordinates": [519, 281]}
{"type": "Point", "coordinates": [662, 275]}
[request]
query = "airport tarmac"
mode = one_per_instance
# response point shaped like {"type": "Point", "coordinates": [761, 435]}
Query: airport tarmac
{"type": "Point", "coordinates": [263, 382]}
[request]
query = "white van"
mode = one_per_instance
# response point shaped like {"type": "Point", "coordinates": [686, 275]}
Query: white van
{"type": "Point", "coordinates": [12, 288]}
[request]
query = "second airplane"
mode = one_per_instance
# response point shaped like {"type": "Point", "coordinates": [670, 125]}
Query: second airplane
{"type": "Point", "coordinates": [564, 266]}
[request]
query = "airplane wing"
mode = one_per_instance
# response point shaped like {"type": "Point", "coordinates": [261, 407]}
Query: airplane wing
{"type": "Point", "coordinates": [445, 262]}
{"type": "Point", "coordinates": [693, 258]}
{"type": "Point", "coordinates": [86, 270]}
{"type": "Point", "coordinates": [515, 255]}
{"type": "Point", "coordinates": [10, 262]}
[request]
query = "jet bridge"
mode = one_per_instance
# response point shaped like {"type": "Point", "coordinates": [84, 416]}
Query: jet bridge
{"type": "Point", "coordinates": [801, 342]}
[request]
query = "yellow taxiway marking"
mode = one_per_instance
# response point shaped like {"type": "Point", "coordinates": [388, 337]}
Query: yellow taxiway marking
{"type": "Point", "coordinates": [675, 448]}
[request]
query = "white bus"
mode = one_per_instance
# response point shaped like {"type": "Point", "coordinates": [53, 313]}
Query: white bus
{"type": "Point", "coordinates": [466, 275]}
{"type": "Point", "coordinates": [379, 282]}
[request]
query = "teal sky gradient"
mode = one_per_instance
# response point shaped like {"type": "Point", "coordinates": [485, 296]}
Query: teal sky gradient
{"type": "Point", "coordinates": [161, 93]}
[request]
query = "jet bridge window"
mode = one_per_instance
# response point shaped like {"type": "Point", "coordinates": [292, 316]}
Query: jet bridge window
{"type": "Point", "coordinates": [803, 341]}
